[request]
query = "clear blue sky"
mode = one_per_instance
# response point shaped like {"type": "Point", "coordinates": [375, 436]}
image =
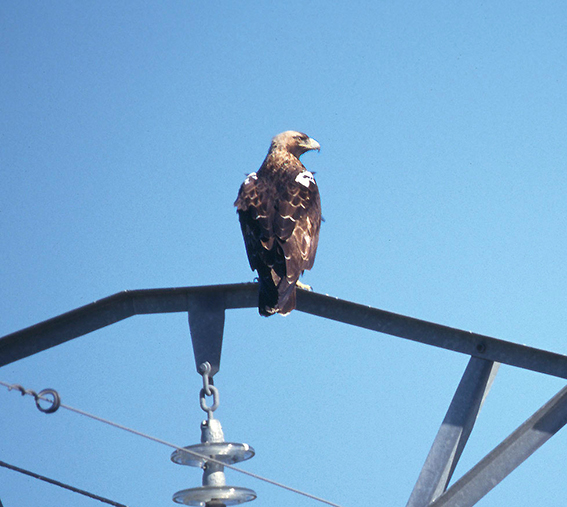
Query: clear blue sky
{"type": "Point", "coordinates": [125, 131]}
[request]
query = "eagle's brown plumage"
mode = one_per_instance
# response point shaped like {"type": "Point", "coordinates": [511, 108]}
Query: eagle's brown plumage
{"type": "Point", "coordinates": [280, 215]}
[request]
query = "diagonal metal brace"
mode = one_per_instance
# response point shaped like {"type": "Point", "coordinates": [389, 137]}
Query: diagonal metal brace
{"type": "Point", "coordinates": [507, 456]}
{"type": "Point", "coordinates": [206, 323]}
{"type": "Point", "coordinates": [454, 432]}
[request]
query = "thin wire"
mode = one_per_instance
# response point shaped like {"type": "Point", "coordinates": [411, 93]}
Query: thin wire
{"type": "Point", "coordinates": [61, 485]}
{"type": "Point", "coordinates": [173, 446]}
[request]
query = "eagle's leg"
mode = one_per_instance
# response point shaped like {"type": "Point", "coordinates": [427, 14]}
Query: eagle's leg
{"type": "Point", "coordinates": [303, 286]}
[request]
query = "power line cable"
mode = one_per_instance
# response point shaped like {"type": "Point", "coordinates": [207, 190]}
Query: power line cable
{"type": "Point", "coordinates": [60, 484]}
{"type": "Point", "coordinates": [169, 444]}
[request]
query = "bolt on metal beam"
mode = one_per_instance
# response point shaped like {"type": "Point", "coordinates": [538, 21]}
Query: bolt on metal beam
{"type": "Point", "coordinates": [454, 432]}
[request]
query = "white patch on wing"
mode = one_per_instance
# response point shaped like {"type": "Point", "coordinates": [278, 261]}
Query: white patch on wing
{"type": "Point", "coordinates": [250, 177]}
{"type": "Point", "coordinates": [305, 178]}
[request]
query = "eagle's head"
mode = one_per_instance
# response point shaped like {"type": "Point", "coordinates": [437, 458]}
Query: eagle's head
{"type": "Point", "coordinates": [296, 143]}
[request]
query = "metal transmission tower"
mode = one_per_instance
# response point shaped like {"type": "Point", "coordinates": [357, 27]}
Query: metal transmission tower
{"type": "Point", "coordinates": [206, 308]}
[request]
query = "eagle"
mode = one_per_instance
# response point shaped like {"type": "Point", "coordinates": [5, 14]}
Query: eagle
{"type": "Point", "coordinates": [279, 209]}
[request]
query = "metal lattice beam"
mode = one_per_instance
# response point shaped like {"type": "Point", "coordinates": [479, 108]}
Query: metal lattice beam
{"type": "Point", "coordinates": [126, 304]}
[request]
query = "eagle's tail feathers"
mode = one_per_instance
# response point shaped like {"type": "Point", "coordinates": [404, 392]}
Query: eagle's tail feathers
{"type": "Point", "coordinates": [272, 299]}
{"type": "Point", "coordinates": [288, 304]}
{"type": "Point", "coordinates": [268, 297]}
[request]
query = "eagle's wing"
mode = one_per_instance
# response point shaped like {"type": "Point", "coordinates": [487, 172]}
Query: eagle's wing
{"type": "Point", "coordinates": [297, 223]}
{"type": "Point", "coordinates": [256, 209]}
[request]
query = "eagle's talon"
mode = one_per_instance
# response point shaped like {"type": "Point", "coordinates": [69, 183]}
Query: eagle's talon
{"type": "Point", "coordinates": [303, 286]}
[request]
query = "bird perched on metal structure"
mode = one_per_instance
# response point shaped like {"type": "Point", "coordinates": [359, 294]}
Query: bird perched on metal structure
{"type": "Point", "coordinates": [280, 215]}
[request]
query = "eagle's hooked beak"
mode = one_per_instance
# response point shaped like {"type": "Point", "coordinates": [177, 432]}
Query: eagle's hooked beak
{"type": "Point", "coordinates": [311, 144]}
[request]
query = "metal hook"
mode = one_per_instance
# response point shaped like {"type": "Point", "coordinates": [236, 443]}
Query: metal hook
{"type": "Point", "coordinates": [205, 371]}
{"type": "Point", "coordinates": [55, 403]}
{"type": "Point", "coordinates": [208, 389]}
{"type": "Point", "coordinates": [203, 401]}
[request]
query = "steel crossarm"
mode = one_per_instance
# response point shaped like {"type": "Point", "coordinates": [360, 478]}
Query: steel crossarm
{"type": "Point", "coordinates": [126, 304]}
